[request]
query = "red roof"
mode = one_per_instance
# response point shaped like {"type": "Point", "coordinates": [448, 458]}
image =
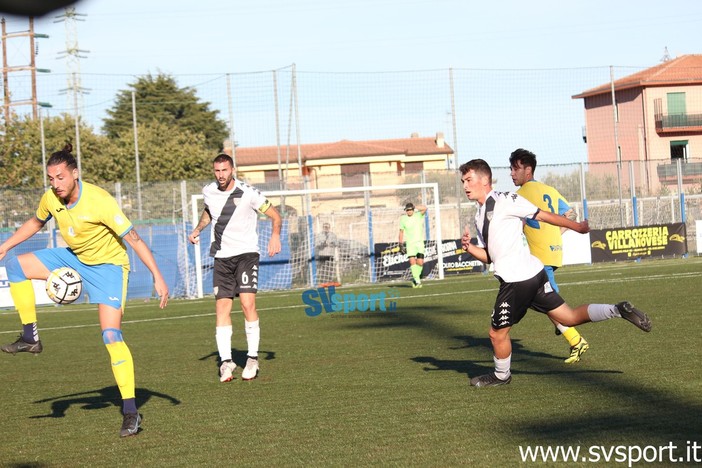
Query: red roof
{"type": "Point", "coordinates": [683, 70]}
{"type": "Point", "coordinates": [341, 149]}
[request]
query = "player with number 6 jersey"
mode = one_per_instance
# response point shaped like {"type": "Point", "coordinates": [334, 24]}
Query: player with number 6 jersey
{"type": "Point", "coordinates": [232, 207]}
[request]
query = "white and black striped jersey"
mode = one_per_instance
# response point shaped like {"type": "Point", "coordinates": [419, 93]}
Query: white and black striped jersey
{"type": "Point", "coordinates": [234, 216]}
{"type": "Point", "coordinates": [506, 244]}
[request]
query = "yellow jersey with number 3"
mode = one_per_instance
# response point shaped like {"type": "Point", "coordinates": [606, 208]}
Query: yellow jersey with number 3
{"type": "Point", "coordinates": [545, 240]}
{"type": "Point", "coordinates": [92, 227]}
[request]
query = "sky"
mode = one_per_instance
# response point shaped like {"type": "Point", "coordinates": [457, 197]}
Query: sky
{"type": "Point", "coordinates": [209, 36]}
{"type": "Point", "coordinates": [135, 37]}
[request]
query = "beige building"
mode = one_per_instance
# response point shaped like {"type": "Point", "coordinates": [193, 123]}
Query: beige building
{"type": "Point", "coordinates": [339, 164]}
{"type": "Point", "coordinates": [658, 117]}
{"type": "Point", "coordinates": [343, 163]}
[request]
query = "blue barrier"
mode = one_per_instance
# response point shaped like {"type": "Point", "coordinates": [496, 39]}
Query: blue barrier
{"type": "Point", "coordinates": [173, 252]}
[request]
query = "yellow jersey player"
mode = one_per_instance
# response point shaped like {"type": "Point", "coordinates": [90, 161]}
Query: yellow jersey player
{"type": "Point", "coordinates": [94, 228]}
{"type": "Point", "coordinates": [545, 240]}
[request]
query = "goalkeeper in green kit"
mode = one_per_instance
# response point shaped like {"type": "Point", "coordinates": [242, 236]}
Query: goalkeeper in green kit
{"type": "Point", "coordinates": [412, 232]}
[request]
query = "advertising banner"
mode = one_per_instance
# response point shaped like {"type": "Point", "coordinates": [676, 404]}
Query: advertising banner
{"type": "Point", "coordinates": [392, 264]}
{"type": "Point", "coordinates": [662, 240]}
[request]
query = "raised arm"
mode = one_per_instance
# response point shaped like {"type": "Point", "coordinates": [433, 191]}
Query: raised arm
{"type": "Point", "coordinates": [558, 220]}
{"type": "Point", "coordinates": [571, 215]}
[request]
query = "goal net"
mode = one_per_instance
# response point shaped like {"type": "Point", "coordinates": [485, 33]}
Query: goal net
{"type": "Point", "coordinates": [336, 236]}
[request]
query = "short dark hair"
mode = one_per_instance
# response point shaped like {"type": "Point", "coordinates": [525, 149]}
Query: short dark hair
{"type": "Point", "coordinates": [63, 156]}
{"type": "Point", "coordinates": [223, 157]}
{"type": "Point", "coordinates": [526, 157]}
{"type": "Point", "coordinates": [480, 166]}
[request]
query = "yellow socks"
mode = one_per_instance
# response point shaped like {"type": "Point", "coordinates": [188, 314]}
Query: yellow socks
{"type": "Point", "coordinates": [572, 336]}
{"type": "Point", "coordinates": [122, 362]}
{"type": "Point", "coordinates": [23, 296]}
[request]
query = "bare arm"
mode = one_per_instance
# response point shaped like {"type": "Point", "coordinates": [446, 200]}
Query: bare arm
{"type": "Point", "coordinates": [274, 242]}
{"type": "Point", "coordinates": [558, 220]}
{"type": "Point", "coordinates": [472, 249]}
{"type": "Point", "coordinates": [402, 236]}
{"type": "Point", "coordinates": [205, 219]}
{"type": "Point", "coordinates": [571, 215]}
{"type": "Point", "coordinates": [421, 208]}
{"type": "Point", "coordinates": [145, 255]}
{"type": "Point", "coordinates": [24, 232]}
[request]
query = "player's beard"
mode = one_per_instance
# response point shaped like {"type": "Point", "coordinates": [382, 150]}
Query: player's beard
{"type": "Point", "coordinates": [224, 186]}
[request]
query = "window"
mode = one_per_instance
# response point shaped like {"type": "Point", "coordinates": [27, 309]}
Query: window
{"type": "Point", "coordinates": [678, 150]}
{"type": "Point", "coordinates": [677, 110]}
{"type": "Point", "coordinates": [352, 174]}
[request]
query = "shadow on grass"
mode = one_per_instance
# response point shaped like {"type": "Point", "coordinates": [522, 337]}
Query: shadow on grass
{"type": "Point", "coordinates": [474, 368]}
{"type": "Point", "coordinates": [624, 412]}
{"type": "Point", "coordinates": [97, 399]}
{"type": "Point", "coordinates": [26, 465]}
{"type": "Point", "coordinates": [238, 356]}
{"type": "Point", "coordinates": [620, 411]}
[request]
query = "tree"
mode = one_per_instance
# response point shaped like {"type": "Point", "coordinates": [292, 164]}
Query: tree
{"type": "Point", "coordinates": [159, 99]}
{"type": "Point", "coordinates": [21, 162]}
{"type": "Point", "coordinates": [165, 153]}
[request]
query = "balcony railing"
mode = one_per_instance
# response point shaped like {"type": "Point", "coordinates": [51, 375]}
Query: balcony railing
{"type": "Point", "coordinates": [679, 123]}
{"type": "Point", "coordinates": [691, 172]}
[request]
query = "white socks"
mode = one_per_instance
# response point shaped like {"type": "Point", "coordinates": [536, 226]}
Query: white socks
{"type": "Point", "coordinates": [502, 366]}
{"type": "Point", "coordinates": [600, 312]}
{"type": "Point", "coordinates": [253, 337]}
{"type": "Point", "coordinates": [223, 336]}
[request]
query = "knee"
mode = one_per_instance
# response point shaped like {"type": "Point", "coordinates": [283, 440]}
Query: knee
{"type": "Point", "coordinates": [248, 309]}
{"type": "Point", "coordinates": [111, 336]}
{"type": "Point", "coordinates": [498, 335]}
{"type": "Point", "coordinates": [15, 274]}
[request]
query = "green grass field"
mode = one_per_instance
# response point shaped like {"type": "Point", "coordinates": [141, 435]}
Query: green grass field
{"type": "Point", "coordinates": [363, 388]}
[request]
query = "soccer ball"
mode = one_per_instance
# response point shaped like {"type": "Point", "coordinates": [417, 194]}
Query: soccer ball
{"type": "Point", "coordinates": [64, 285]}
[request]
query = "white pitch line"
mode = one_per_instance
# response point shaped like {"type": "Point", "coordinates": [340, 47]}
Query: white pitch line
{"type": "Point", "coordinates": [416, 296]}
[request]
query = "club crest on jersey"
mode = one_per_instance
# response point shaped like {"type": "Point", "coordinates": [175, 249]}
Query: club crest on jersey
{"type": "Point", "coordinates": [489, 215]}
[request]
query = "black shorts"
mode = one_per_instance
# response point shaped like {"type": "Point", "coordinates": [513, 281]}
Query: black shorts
{"type": "Point", "coordinates": [513, 300]}
{"type": "Point", "coordinates": [235, 275]}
